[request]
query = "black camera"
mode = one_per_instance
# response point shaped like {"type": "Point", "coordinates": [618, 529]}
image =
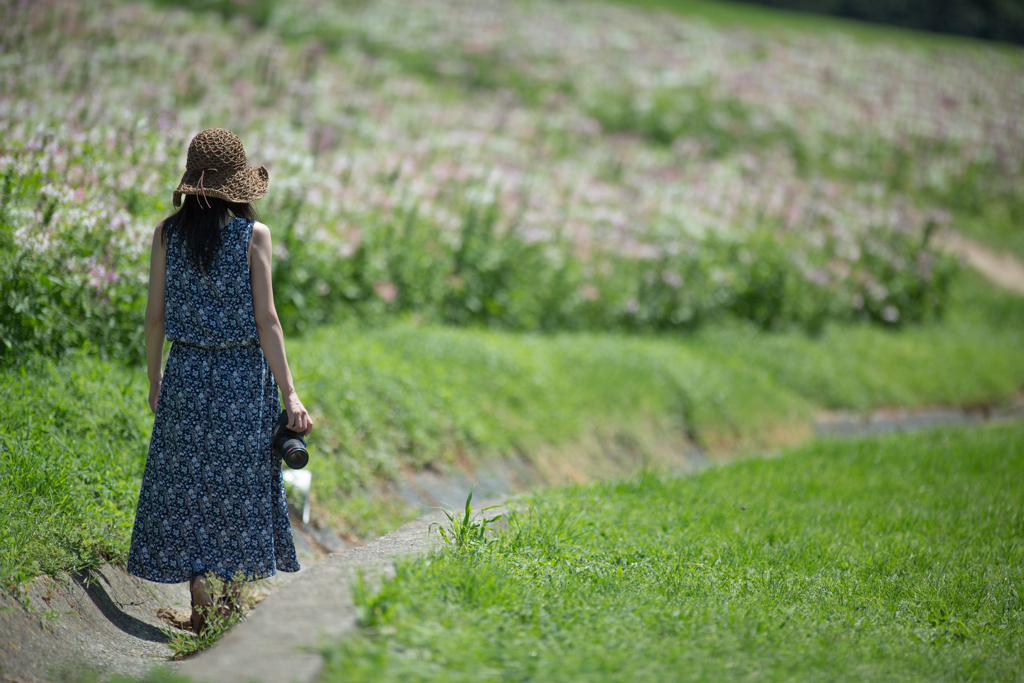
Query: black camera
{"type": "Point", "coordinates": [288, 445]}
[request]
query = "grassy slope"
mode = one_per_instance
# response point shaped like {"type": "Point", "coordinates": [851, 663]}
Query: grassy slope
{"type": "Point", "coordinates": [996, 228]}
{"type": "Point", "coordinates": [739, 14]}
{"type": "Point", "coordinates": [956, 362]}
{"type": "Point", "coordinates": [72, 447]}
{"type": "Point", "coordinates": [406, 395]}
{"type": "Point", "coordinates": [887, 559]}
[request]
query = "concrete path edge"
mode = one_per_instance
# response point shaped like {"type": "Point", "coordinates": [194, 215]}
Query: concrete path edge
{"type": "Point", "coordinates": [276, 643]}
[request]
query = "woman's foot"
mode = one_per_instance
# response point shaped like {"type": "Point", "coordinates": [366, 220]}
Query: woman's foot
{"type": "Point", "coordinates": [202, 602]}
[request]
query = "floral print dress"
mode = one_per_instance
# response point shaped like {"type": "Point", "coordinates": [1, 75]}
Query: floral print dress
{"type": "Point", "coordinates": [212, 496]}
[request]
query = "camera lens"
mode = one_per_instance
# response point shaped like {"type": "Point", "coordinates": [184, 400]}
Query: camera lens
{"type": "Point", "coordinates": [294, 454]}
{"type": "Point", "coordinates": [288, 445]}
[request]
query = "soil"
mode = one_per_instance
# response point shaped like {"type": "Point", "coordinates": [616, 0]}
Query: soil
{"type": "Point", "coordinates": [108, 620]}
{"type": "Point", "coordinates": [1000, 268]}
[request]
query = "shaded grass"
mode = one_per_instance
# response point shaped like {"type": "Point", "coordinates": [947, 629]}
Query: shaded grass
{"type": "Point", "coordinates": [891, 559]}
{"type": "Point", "coordinates": [73, 436]}
{"type": "Point", "coordinates": [773, 19]}
{"type": "Point", "coordinates": [959, 361]}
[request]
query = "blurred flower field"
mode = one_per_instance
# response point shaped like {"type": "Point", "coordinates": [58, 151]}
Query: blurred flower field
{"type": "Point", "coordinates": [522, 165]}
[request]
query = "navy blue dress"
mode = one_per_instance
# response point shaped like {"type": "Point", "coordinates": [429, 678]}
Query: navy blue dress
{"type": "Point", "coordinates": [212, 496]}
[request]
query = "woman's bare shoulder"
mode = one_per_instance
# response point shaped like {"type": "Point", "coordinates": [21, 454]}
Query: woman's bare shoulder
{"type": "Point", "coordinates": [260, 235]}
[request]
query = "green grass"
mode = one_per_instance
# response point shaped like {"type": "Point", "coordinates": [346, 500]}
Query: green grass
{"type": "Point", "coordinates": [772, 19]}
{"type": "Point", "coordinates": [73, 436]}
{"type": "Point", "coordinates": [72, 449]}
{"type": "Point", "coordinates": [996, 227]}
{"type": "Point", "coordinates": [898, 559]}
{"type": "Point", "coordinates": [958, 361]}
{"type": "Point", "coordinates": [406, 395]}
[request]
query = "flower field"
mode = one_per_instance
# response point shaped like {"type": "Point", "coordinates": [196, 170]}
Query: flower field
{"type": "Point", "coordinates": [523, 165]}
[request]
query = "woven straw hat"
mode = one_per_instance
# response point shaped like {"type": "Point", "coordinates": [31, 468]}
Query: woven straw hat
{"type": "Point", "coordinates": [217, 167]}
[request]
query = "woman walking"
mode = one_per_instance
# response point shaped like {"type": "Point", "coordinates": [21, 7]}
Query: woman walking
{"type": "Point", "coordinates": [212, 502]}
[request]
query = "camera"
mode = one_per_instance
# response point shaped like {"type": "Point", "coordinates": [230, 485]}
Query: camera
{"type": "Point", "coordinates": [288, 445]}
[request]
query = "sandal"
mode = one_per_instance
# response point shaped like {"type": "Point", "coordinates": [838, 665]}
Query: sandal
{"type": "Point", "coordinates": [201, 603]}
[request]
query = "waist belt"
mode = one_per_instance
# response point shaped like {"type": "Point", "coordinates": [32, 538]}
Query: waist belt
{"type": "Point", "coordinates": [250, 343]}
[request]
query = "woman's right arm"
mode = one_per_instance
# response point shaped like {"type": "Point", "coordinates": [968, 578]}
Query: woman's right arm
{"type": "Point", "coordinates": [268, 326]}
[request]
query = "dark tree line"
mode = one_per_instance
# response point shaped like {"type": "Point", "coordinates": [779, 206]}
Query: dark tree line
{"type": "Point", "coordinates": [1001, 20]}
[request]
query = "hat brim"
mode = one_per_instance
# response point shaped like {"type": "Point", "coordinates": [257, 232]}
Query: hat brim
{"type": "Point", "coordinates": [244, 185]}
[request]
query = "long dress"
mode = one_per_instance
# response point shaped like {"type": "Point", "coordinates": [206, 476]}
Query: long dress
{"type": "Point", "coordinates": [212, 498]}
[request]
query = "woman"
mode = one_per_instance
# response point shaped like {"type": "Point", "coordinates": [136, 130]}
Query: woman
{"type": "Point", "coordinates": [212, 502]}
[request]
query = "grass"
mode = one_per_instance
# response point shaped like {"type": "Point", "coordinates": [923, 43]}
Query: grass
{"type": "Point", "coordinates": [955, 362]}
{"type": "Point", "coordinates": [771, 19]}
{"type": "Point", "coordinates": [408, 395]}
{"type": "Point", "coordinates": [186, 643]}
{"type": "Point", "coordinates": [996, 227]}
{"type": "Point", "coordinates": [73, 435]}
{"type": "Point", "coordinates": [72, 448]}
{"type": "Point", "coordinates": [888, 559]}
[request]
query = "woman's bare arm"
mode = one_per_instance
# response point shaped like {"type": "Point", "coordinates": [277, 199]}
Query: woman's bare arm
{"type": "Point", "coordinates": [268, 325]}
{"type": "Point", "coordinates": [155, 317]}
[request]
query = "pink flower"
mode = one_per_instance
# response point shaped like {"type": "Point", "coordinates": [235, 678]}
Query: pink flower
{"type": "Point", "coordinates": [386, 290]}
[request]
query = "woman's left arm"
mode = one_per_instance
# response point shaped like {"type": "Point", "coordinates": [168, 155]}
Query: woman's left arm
{"type": "Point", "coordinates": [155, 316]}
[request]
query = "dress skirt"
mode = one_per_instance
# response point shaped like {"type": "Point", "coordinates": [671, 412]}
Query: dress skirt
{"type": "Point", "coordinates": [212, 498]}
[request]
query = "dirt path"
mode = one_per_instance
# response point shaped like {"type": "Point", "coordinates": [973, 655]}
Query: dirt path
{"type": "Point", "coordinates": [108, 620]}
{"type": "Point", "coordinates": [1000, 268]}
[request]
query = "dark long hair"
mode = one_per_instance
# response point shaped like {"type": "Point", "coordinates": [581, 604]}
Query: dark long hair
{"type": "Point", "coordinates": [196, 226]}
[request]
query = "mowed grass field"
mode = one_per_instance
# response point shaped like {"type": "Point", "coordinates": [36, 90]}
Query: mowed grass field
{"type": "Point", "coordinates": [895, 559]}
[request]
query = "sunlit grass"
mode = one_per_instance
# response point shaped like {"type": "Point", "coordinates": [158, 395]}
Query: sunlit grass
{"type": "Point", "coordinates": [885, 559]}
{"type": "Point", "coordinates": [727, 13]}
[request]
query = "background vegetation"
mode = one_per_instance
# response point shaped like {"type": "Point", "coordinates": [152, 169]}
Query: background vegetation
{"type": "Point", "coordinates": [1000, 20]}
{"type": "Point", "coordinates": [656, 177]}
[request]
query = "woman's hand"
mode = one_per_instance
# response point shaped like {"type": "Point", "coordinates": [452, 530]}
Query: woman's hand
{"type": "Point", "coordinates": [154, 394]}
{"type": "Point", "coordinates": [298, 418]}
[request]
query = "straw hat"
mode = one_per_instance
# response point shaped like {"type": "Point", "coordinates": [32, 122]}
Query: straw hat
{"type": "Point", "coordinates": [217, 167]}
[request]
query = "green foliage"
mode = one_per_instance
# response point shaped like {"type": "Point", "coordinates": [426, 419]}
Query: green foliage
{"type": "Point", "coordinates": [466, 532]}
{"type": "Point", "coordinates": [1002, 20]}
{"type": "Point", "coordinates": [410, 395]}
{"type": "Point", "coordinates": [765, 19]}
{"type": "Point", "coordinates": [466, 252]}
{"type": "Point", "coordinates": [497, 280]}
{"type": "Point", "coordinates": [72, 447]}
{"type": "Point", "coordinates": [721, 124]}
{"type": "Point", "coordinates": [895, 558]}
{"type": "Point", "coordinates": [59, 285]}
{"type": "Point", "coordinates": [256, 11]}
{"type": "Point", "coordinates": [855, 367]}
